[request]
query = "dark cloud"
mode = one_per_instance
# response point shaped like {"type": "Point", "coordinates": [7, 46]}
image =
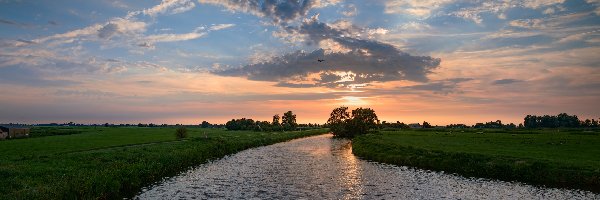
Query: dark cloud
{"type": "Point", "coordinates": [26, 41]}
{"type": "Point", "coordinates": [365, 61]}
{"type": "Point", "coordinates": [506, 81]}
{"type": "Point", "coordinates": [9, 22]}
{"type": "Point", "coordinates": [108, 30]}
{"type": "Point", "coordinates": [85, 93]}
{"type": "Point", "coordinates": [277, 10]}
{"type": "Point", "coordinates": [439, 87]}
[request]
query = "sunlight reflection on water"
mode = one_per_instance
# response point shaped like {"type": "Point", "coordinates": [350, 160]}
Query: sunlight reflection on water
{"type": "Point", "coordinates": [320, 167]}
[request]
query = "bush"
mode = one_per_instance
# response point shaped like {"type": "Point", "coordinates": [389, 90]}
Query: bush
{"type": "Point", "coordinates": [181, 132]}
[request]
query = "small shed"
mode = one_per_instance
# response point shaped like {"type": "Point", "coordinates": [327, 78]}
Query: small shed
{"type": "Point", "coordinates": [13, 131]}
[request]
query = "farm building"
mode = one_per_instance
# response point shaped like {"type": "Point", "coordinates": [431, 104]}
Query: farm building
{"type": "Point", "coordinates": [13, 131]}
{"type": "Point", "coordinates": [415, 125]}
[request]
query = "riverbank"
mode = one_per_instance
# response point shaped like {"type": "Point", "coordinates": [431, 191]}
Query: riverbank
{"type": "Point", "coordinates": [111, 163]}
{"type": "Point", "coordinates": [541, 157]}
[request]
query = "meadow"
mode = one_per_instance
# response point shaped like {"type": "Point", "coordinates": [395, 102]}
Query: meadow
{"type": "Point", "coordinates": [113, 162]}
{"type": "Point", "coordinates": [568, 158]}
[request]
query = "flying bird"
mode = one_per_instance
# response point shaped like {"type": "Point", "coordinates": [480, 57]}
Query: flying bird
{"type": "Point", "coordinates": [320, 60]}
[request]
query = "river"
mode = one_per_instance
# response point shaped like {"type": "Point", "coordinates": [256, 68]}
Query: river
{"type": "Point", "coordinates": [321, 167]}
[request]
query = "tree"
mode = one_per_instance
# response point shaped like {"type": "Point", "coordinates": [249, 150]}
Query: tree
{"type": "Point", "coordinates": [337, 121]}
{"type": "Point", "coordinates": [276, 120]}
{"type": "Point", "coordinates": [342, 124]}
{"type": "Point", "coordinates": [205, 124]}
{"type": "Point", "coordinates": [363, 120]}
{"type": "Point", "coordinates": [426, 125]}
{"type": "Point", "coordinates": [288, 121]}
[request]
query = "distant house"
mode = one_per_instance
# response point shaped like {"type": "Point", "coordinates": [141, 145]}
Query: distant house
{"type": "Point", "coordinates": [415, 125]}
{"type": "Point", "coordinates": [13, 131]}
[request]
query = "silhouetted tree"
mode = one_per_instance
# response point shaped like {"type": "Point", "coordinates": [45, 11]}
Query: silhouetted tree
{"type": "Point", "coordinates": [342, 124]}
{"type": "Point", "coordinates": [288, 121]}
{"type": "Point", "coordinates": [337, 121]}
{"type": "Point", "coordinates": [426, 125]}
{"type": "Point", "coordinates": [205, 124]}
{"type": "Point", "coordinates": [363, 120]}
{"type": "Point", "coordinates": [547, 121]}
{"type": "Point", "coordinates": [276, 120]}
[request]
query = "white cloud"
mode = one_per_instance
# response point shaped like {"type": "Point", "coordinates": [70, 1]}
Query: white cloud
{"type": "Point", "coordinates": [350, 10]}
{"type": "Point", "coordinates": [170, 7]}
{"type": "Point", "coordinates": [115, 27]}
{"type": "Point", "coordinates": [595, 3]}
{"type": "Point", "coordinates": [500, 7]}
{"type": "Point", "coordinates": [419, 8]}
{"type": "Point", "coordinates": [221, 26]}
{"type": "Point", "coordinates": [540, 3]}
{"type": "Point", "coordinates": [414, 27]}
{"type": "Point", "coordinates": [173, 37]}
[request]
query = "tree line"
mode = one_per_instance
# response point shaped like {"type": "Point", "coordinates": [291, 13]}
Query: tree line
{"type": "Point", "coordinates": [556, 121]}
{"type": "Point", "coordinates": [287, 122]}
{"type": "Point", "coordinates": [364, 120]}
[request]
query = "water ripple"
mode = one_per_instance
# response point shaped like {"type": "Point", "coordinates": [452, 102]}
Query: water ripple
{"type": "Point", "coordinates": [320, 167]}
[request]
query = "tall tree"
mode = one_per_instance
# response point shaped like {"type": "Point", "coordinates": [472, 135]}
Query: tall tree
{"type": "Point", "coordinates": [363, 120]}
{"type": "Point", "coordinates": [426, 125]}
{"type": "Point", "coordinates": [276, 120]}
{"type": "Point", "coordinates": [342, 124]}
{"type": "Point", "coordinates": [288, 121]}
{"type": "Point", "coordinates": [337, 120]}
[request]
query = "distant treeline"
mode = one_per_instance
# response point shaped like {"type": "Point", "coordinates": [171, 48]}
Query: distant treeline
{"type": "Point", "coordinates": [560, 120]}
{"type": "Point", "coordinates": [288, 123]}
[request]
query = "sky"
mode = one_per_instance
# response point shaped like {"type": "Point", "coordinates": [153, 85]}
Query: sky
{"type": "Point", "coordinates": [186, 61]}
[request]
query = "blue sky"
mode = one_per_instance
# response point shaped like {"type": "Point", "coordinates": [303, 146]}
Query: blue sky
{"type": "Point", "coordinates": [184, 61]}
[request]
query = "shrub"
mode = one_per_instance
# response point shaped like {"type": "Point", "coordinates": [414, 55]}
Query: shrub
{"type": "Point", "coordinates": [181, 132]}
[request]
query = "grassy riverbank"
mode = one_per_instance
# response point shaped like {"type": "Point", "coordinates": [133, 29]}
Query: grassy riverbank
{"type": "Point", "coordinates": [110, 163]}
{"type": "Point", "coordinates": [553, 158]}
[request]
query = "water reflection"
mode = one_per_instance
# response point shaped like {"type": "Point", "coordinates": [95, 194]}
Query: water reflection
{"type": "Point", "coordinates": [350, 174]}
{"type": "Point", "coordinates": [324, 168]}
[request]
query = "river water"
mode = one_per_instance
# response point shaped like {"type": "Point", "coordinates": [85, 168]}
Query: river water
{"type": "Point", "coordinates": [321, 167]}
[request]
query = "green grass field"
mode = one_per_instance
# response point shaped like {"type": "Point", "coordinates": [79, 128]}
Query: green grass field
{"type": "Point", "coordinates": [565, 158]}
{"type": "Point", "coordinates": [109, 163]}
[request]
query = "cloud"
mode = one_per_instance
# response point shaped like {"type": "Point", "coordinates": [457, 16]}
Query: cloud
{"type": "Point", "coordinates": [90, 93]}
{"type": "Point", "coordinates": [280, 12]}
{"type": "Point", "coordinates": [359, 63]}
{"type": "Point", "coordinates": [170, 7]}
{"type": "Point", "coordinates": [506, 81]}
{"type": "Point", "coordinates": [221, 26]}
{"type": "Point", "coordinates": [117, 27]}
{"type": "Point", "coordinates": [10, 22]}
{"type": "Point", "coordinates": [173, 37]}
{"type": "Point", "coordinates": [419, 8]}
{"type": "Point", "coordinates": [108, 30]}
{"type": "Point", "coordinates": [499, 8]}
{"type": "Point", "coordinates": [438, 87]}
{"type": "Point", "coordinates": [150, 40]}
{"type": "Point", "coordinates": [350, 10]}
{"type": "Point", "coordinates": [558, 28]}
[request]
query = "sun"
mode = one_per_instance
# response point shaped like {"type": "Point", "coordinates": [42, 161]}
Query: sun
{"type": "Point", "coordinates": [353, 101]}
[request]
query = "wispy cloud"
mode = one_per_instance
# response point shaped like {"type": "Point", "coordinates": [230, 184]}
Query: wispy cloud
{"type": "Point", "coordinates": [165, 7]}
{"type": "Point", "coordinates": [506, 81]}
